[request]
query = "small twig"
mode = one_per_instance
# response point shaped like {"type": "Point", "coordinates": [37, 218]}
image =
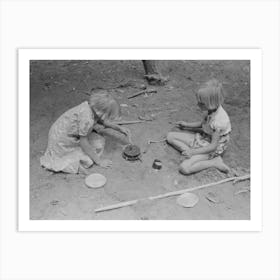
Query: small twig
{"type": "Point", "coordinates": [130, 122]}
{"type": "Point", "coordinates": [142, 92]}
{"type": "Point", "coordinates": [157, 141]}
{"type": "Point", "coordinates": [84, 92]}
{"type": "Point", "coordinates": [151, 142]}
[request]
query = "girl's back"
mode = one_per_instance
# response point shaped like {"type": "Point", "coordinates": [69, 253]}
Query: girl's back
{"type": "Point", "coordinates": [75, 122]}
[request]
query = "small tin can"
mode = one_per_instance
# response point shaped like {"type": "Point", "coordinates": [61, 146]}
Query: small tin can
{"type": "Point", "coordinates": [157, 164]}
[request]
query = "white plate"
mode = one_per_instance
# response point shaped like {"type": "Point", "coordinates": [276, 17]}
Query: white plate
{"type": "Point", "coordinates": [188, 200]}
{"type": "Point", "coordinates": [95, 181]}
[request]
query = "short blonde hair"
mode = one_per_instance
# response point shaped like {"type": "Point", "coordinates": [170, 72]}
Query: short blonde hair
{"type": "Point", "coordinates": [104, 105]}
{"type": "Point", "coordinates": [211, 94]}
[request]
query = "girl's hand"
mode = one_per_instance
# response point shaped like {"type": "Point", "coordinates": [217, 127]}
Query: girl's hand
{"type": "Point", "coordinates": [181, 124]}
{"type": "Point", "coordinates": [126, 132]}
{"type": "Point", "coordinates": [187, 153]}
{"type": "Point", "coordinates": [105, 163]}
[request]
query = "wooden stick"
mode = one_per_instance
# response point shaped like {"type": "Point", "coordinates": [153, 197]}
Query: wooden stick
{"type": "Point", "coordinates": [132, 202]}
{"type": "Point", "coordinates": [157, 141]}
{"type": "Point", "coordinates": [116, 206]}
{"type": "Point", "coordinates": [241, 178]}
{"type": "Point", "coordinates": [130, 122]}
{"type": "Point", "coordinates": [142, 92]}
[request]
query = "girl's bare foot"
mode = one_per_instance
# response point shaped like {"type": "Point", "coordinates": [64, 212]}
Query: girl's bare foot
{"type": "Point", "coordinates": [219, 164]}
{"type": "Point", "coordinates": [186, 152]}
{"type": "Point", "coordinates": [83, 171]}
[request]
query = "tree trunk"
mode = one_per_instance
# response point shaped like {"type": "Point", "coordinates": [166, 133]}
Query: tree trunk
{"type": "Point", "coordinates": [150, 67]}
{"type": "Point", "coordinates": [152, 74]}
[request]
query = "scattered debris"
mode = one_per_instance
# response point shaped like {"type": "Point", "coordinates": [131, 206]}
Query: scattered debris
{"type": "Point", "coordinates": [84, 92]}
{"type": "Point", "coordinates": [150, 142]}
{"type": "Point", "coordinates": [146, 118]}
{"type": "Point", "coordinates": [54, 202]}
{"type": "Point", "coordinates": [243, 190]}
{"type": "Point", "coordinates": [187, 200]}
{"type": "Point", "coordinates": [212, 197]}
{"type": "Point", "coordinates": [144, 218]}
{"type": "Point", "coordinates": [142, 86]}
{"type": "Point", "coordinates": [143, 92]}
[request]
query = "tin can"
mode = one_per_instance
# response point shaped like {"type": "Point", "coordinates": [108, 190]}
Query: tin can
{"type": "Point", "coordinates": [157, 164]}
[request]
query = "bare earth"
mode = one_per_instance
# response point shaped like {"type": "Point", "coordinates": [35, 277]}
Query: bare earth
{"type": "Point", "coordinates": [56, 86]}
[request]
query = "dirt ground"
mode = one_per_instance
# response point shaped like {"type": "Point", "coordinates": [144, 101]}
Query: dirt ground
{"type": "Point", "coordinates": [56, 86]}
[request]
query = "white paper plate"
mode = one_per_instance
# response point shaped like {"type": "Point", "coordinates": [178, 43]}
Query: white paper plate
{"type": "Point", "coordinates": [95, 181]}
{"type": "Point", "coordinates": [188, 200]}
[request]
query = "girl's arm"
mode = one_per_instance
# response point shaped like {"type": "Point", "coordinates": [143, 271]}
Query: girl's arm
{"type": "Point", "coordinates": [194, 124]}
{"type": "Point", "coordinates": [189, 125]}
{"type": "Point", "coordinates": [87, 148]}
{"type": "Point", "coordinates": [209, 148]}
{"type": "Point", "coordinates": [109, 124]}
{"type": "Point", "coordinates": [116, 127]}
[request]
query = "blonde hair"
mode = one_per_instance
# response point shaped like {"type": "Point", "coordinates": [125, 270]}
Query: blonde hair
{"type": "Point", "coordinates": [104, 105]}
{"type": "Point", "coordinates": [211, 94]}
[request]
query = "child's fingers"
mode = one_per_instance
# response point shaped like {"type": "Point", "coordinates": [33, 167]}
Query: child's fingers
{"type": "Point", "coordinates": [128, 132]}
{"type": "Point", "coordinates": [106, 163]}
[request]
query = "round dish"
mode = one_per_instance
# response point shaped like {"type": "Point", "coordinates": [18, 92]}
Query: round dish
{"type": "Point", "coordinates": [95, 181]}
{"type": "Point", "coordinates": [187, 200]}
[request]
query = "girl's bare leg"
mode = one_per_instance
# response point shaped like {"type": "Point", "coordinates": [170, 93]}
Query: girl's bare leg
{"type": "Point", "coordinates": [97, 142]}
{"type": "Point", "coordinates": [200, 162]}
{"type": "Point", "coordinates": [181, 141]}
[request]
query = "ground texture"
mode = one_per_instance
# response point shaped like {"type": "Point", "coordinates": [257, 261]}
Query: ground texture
{"type": "Point", "coordinates": [56, 86]}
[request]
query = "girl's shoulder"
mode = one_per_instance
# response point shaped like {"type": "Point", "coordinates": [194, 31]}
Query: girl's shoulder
{"type": "Point", "coordinates": [79, 112]}
{"type": "Point", "coordinates": [220, 114]}
{"type": "Point", "coordinates": [78, 108]}
{"type": "Point", "coordinates": [82, 109]}
{"type": "Point", "coordinates": [85, 111]}
{"type": "Point", "coordinates": [220, 120]}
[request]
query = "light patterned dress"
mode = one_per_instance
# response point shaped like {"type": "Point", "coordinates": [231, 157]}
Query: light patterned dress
{"type": "Point", "coordinates": [216, 122]}
{"type": "Point", "coordinates": [64, 152]}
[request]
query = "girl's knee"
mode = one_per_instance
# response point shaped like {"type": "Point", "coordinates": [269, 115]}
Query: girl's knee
{"type": "Point", "coordinates": [185, 168]}
{"type": "Point", "coordinates": [98, 143]}
{"type": "Point", "coordinates": [170, 137]}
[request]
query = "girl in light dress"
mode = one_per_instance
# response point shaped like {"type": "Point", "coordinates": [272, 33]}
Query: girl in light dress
{"type": "Point", "coordinates": [72, 146]}
{"type": "Point", "coordinates": [204, 142]}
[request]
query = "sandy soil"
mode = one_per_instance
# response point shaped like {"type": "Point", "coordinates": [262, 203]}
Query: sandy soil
{"type": "Point", "coordinates": [56, 86]}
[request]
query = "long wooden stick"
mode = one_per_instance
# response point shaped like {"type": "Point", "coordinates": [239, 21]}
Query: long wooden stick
{"type": "Point", "coordinates": [130, 122]}
{"type": "Point", "coordinates": [132, 202]}
{"type": "Point", "coordinates": [241, 178]}
{"type": "Point", "coordinates": [116, 206]}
